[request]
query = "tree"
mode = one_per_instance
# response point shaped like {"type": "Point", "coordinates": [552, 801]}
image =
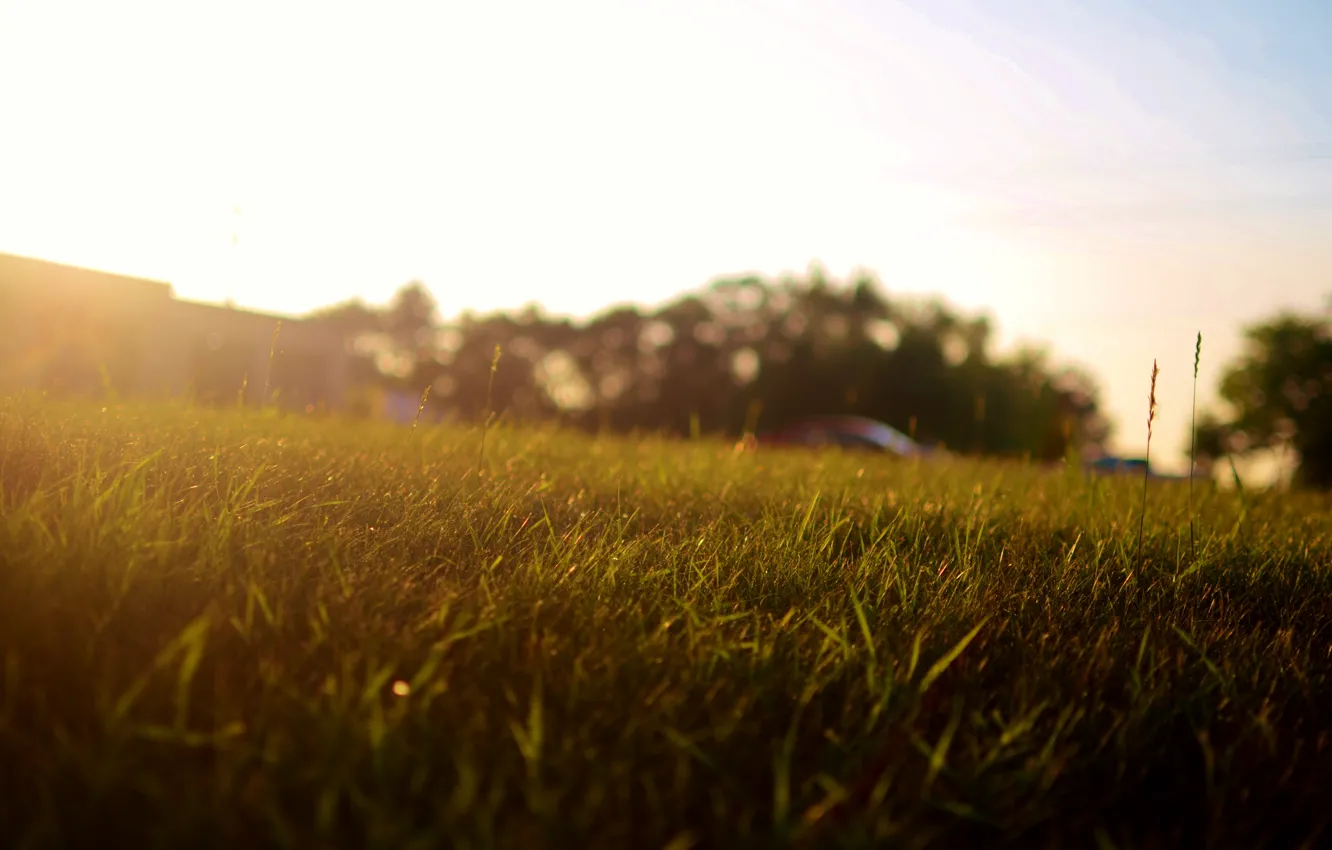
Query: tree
{"type": "Point", "coordinates": [738, 353]}
{"type": "Point", "coordinates": [361, 326]}
{"type": "Point", "coordinates": [350, 318]}
{"type": "Point", "coordinates": [411, 317]}
{"type": "Point", "coordinates": [395, 346]}
{"type": "Point", "coordinates": [1279, 392]}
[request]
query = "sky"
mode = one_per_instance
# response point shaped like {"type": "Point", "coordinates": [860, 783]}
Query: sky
{"type": "Point", "coordinates": [1106, 178]}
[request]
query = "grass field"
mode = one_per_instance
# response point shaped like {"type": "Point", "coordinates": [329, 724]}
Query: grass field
{"type": "Point", "coordinates": [242, 629]}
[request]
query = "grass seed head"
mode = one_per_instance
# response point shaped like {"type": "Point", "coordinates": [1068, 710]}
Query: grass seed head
{"type": "Point", "coordinates": [1151, 399]}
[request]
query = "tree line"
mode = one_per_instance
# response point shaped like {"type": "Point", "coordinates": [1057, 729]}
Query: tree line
{"type": "Point", "coordinates": [741, 354]}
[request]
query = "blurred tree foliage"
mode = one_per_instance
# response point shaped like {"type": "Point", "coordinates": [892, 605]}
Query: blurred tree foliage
{"type": "Point", "coordinates": [738, 350]}
{"type": "Point", "coordinates": [1279, 395]}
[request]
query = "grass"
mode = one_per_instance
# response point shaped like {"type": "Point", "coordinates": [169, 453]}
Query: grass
{"type": "Point", "coordinates": [229, 628]}
{"type": "Point", "coordinates": [1193, 441]}
{"type": "Point", "coordinates": [1147, 471]}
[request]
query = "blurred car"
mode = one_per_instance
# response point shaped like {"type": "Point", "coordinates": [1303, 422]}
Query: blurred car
{"type": "Point", "coordinates": [848, 432]}
{"type": "Point", "coordinates": [1135, 466]}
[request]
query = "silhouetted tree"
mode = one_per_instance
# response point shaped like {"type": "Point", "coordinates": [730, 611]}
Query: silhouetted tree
{"type": "Point", "coordinates": [350, 317]}
{"type": "Point", "coordinates": [396, 346]}
{"type": "Point", "coordinates": [1279, 392]}
{"type": "Point", "coordinates": [362, 327]}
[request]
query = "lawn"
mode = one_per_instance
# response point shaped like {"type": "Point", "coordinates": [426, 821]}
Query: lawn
{"type": "Point", "coordinates": [230, 628]}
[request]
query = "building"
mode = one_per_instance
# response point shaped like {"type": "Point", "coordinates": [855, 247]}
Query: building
{"type": "Point", "coordinates": [71, 330]}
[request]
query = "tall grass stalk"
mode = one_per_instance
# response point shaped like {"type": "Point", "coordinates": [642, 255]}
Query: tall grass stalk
{"type": "Point", "coordinates": [490, 415]}
{"type": "Point", "coordinates": [1147, 465]}
{"type": "Point", "coordinates": [425, 395]}
{"type": "Point", "coordinates": [1193, 444]}
{"type": "Point", "coordinates": [272, 356]}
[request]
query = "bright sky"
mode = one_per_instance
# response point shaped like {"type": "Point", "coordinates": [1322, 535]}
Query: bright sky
{"type": "Point", "coordinates": [1105, 176]}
